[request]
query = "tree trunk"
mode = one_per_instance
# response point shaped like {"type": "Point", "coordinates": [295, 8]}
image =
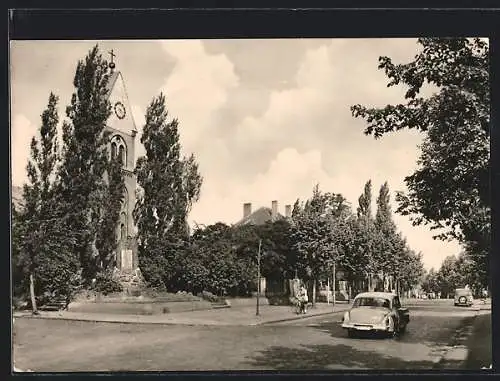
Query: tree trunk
{"type": "Point", "coordinates": [32, 294]}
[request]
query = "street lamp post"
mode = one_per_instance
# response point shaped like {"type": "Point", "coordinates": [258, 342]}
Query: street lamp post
{"type": "Point", "coordinates": [257, 312]}
{"type": "Point", "coordinates": [333, 292]}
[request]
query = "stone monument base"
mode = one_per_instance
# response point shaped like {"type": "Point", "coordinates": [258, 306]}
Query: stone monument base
{"type": "Point", "coordinates": [132, 281]}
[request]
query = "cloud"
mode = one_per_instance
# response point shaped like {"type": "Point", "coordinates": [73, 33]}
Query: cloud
{"type": "Point", "coordinates": [290, 175]}
{"type": "Point", "coordinates": [22, 132]}
{"type": "Point", "coordinates": [196, 88]}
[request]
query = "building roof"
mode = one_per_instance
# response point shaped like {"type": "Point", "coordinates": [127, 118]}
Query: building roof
{"type": "Point", "coordinates": [387, 295]}
{"type": "Point", "coordinates": [259, 217]}
{"type": "Point", "coordinates": [111, 82]}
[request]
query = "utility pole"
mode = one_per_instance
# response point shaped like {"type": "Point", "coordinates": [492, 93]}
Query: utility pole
{"type": "Point", "coordinates": [257, 312]}
{"type": "Point", "coordinates": [333, 293]}
{"type": "Point", "coordinates": [328, 292]}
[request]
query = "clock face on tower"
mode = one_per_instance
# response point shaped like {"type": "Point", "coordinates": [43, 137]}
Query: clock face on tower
{"type": "Point", "coordinates": [120, 110]}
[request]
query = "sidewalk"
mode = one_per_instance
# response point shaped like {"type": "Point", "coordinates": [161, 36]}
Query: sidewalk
{"type": "Point", "coordinates": [479, 344]}
{"type": "Point", "coordinates": [471, 347]}
{"type": "Point", "coordinates": [234, 316]}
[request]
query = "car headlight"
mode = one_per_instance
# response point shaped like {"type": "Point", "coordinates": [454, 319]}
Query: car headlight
{"type": "Point", "coordinates": [387, 321]}
{"type": "Point", "coordinates": [346, 316]}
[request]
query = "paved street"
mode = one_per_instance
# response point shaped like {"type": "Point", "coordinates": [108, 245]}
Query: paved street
{"type": "Point", "coordinates": [312, 343]}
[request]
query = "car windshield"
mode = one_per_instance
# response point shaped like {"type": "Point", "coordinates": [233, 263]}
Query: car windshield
{"type": "Point", "coordinates": [371, 302]}
{"type": "Point", "coordinates": [463, 292]}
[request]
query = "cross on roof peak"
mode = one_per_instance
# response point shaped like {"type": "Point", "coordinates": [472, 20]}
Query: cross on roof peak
{"type": "Point", "coordinates": [113, 55]}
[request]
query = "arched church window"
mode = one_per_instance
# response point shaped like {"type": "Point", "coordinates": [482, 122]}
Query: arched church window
{"type": "Point", "coordinates": [122, 232]}
{"type": "Point", "coordinates": [122, 154]}
{"type": "Point", "coordinates": [113, 150]}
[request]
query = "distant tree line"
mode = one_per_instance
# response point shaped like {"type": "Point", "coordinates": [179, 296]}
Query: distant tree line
{"type": "Point", "coordinates": [455, 272]}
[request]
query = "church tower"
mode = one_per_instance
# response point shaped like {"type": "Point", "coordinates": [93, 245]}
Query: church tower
{"type": "Point", "coordinates": [123, 131]}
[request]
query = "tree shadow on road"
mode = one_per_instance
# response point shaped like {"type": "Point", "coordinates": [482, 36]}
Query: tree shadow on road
{"type": "Point", "coordinates": [324, 357]}
{"type": "Point", "coordinates": [440, 334]}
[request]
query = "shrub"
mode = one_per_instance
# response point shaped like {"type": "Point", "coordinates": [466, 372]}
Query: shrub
{"type": "Point", "coordinates": [206, 295]}
{"type": "Point", "coordinates": [106, 283]}
{"type": "Point", "coordinates": [57, 278]}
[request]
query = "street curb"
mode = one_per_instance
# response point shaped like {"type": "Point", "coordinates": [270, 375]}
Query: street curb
{"type": "Point", "coordinates": [124, 321]}
{"type": "Point", "coordinates": [298, 318]}
{"type": "Point", "coordinates": [95, 320]}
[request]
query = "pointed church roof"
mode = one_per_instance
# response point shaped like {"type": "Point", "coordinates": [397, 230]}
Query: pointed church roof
{"type": "Point", "coordinates": [111, 82]}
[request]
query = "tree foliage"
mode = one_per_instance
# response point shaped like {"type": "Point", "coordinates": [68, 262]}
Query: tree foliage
{"type": "Point", "coordinates": [81, 185]}
{"type": "Point", "coordinates": [170, 184]}
{"type": "Point", "coordinates": [387, 251]}
{"type": "Point", "coordinates": [279, 258]}
{"type": "Point", "coordinates": [213, 262]}
{"type": "Point", "coordinates": [317, 225]}
{"type": "Point", "coordinates": [106, 238]}
{"type": "Point", "coordinates": [450, 188]}
{"type": "Point", "coordinates": [455, 272]}
{"type": "Point", "coordinates": [73, 194]}
{"type": "Point", "coordinates": [41, 246]}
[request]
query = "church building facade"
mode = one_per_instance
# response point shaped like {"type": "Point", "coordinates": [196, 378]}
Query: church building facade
{"type": "Point", "coordinates": [123, 131]}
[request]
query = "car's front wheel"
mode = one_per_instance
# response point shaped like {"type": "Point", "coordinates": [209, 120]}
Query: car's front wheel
{"type": "Point", "coordinates": [351, 333]}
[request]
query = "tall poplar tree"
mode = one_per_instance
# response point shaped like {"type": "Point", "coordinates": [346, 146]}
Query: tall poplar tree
{"type": "Point", "coordinates": [365, 202]}
{"type": "Point", "coordinates": [170, 184]}
{"type": "Point", "coordinates": [81, 185]}
{"type": "Point", "coordinates": [385, 254]}
{"type": "Point", "coordinates": [368, 234]}
{"type": "Point", "coordinates": [42, 240]}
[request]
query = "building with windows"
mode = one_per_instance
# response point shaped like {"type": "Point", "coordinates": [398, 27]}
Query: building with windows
{"type": "Point", "coordinates": [123, 131]}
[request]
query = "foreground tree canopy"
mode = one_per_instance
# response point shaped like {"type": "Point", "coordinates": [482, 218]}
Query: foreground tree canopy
{"type": "Point", "coordinates": [450, 189]}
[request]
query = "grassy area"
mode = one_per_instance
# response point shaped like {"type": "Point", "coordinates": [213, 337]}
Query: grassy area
{"type": "Point", "coordinates": [479, 344]}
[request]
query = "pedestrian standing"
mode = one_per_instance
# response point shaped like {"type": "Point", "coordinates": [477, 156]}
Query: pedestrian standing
{"type": "Point", "coordinates": [303, 299]}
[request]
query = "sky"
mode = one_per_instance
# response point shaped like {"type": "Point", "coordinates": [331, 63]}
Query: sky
{"type": "Point", "coordinates": [266, 119]}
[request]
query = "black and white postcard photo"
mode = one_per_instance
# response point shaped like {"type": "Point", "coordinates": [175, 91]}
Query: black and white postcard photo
{"type": "Point", "coordinates": [252, 204]}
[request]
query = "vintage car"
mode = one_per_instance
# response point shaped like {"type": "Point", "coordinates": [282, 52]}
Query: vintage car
{"type": "Point", "coordinates": [463, 297]}
{"type": "Point", "coordinates": [376, 312]}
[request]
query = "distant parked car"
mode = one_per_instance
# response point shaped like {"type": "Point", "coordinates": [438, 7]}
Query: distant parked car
{"type": "Point", "coordinates": [376, 312]}
{"type": "Point", "coordinates": [463, 297]}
